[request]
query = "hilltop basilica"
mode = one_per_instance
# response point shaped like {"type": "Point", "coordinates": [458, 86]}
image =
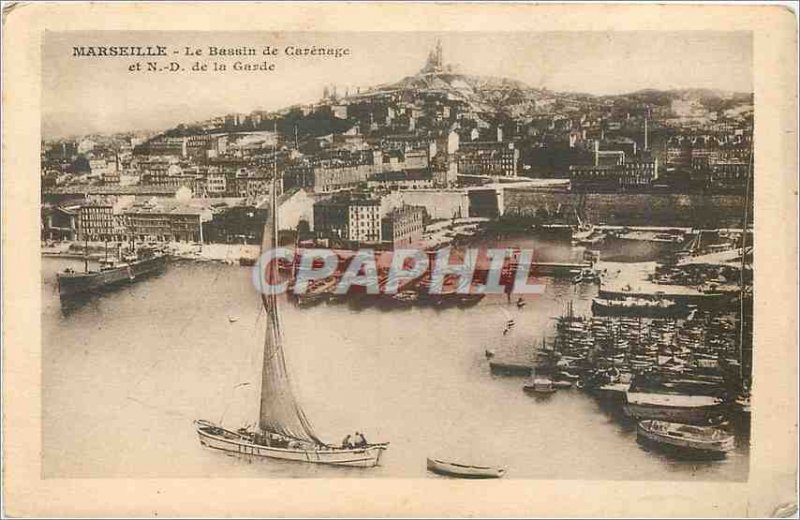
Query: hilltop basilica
{"type": "Point", "coordinates": [435, 63]}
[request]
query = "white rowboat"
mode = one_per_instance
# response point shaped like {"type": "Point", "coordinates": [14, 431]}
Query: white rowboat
{"type": "Point", "coordinates": [454, 469]}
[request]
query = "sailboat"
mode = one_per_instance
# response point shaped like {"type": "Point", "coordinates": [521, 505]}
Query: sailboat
{"type": "Point", "coordinates": [284, 432]}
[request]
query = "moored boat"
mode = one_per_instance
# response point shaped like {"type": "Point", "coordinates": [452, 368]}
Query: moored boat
{"type": "Point", "coordinates": [403, 298]}
{"type": "Point", "coordinates": [454, 469]}
{"type": "Point", "coordinates": [639, 307]}
{"type": "Point", "coordinates": [317, 292]}
{"type": "Point", "coordinates": [682, 401]}
{"type": "Point", "coordinates": [509, 368]}
{"type": "Point", "coordinates": [540, 386]}
{"type": "Point", "coordinates": [111, 274]}
{"type": "Point", "coordinates": [686, 439]}
{"type": "Point", "coordinates": [612, 392]}
{"type": "Point", "coordinates": [587, 275]}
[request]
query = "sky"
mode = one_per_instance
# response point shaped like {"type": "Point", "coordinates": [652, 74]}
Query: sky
{"type": "Point", "coordinates": [99, 95]}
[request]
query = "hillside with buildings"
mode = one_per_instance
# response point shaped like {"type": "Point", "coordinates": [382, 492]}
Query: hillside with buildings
{"type": "Point", "coordinates": [455, 145]}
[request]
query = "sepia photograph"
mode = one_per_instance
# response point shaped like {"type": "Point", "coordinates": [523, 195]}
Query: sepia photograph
{"type": "Point", "coordinates": [313, 254]}
{"type": "Point", "coordinates": [630, 186]}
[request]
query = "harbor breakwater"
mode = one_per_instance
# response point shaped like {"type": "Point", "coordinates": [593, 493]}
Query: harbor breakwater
{"type": "Point", "coordinates": [630, 209]}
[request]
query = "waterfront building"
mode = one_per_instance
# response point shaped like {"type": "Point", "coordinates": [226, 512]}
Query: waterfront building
{"type": "Point", "coordinates": [439, 204]}
{"type": "Point", "coordinates": [353, 217]}
{"type": "Point", "coordinates": [720, 174]}
{"type": "Point", "coordinates": [632, 174]}
{"type": "Point", "coordinates": [59, 223]}
{"type": "Point", "coordinates": [96, 222]}
{"type": "Point", "coordinates": [166, 220]}
{"type": "Point", "coordinates": [235, 225]}
{"type": "Point", "coordinates": [364, 220]}
{"type": "Point", "coordinates": [403, 226]}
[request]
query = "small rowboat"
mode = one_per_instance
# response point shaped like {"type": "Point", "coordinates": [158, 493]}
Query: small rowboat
{"type": "Point", "coordinates": [540, 386]}
{"type": "Point", "coordinates": [453, 469]}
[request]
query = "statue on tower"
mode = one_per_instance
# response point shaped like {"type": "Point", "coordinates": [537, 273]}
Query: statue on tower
{"type": "Point", "coordinates": [435, 61]}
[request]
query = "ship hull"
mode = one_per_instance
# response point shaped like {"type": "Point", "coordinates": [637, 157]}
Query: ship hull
{"type": "Point", "coordinates": [698, 298]}
{"type": "Point", "coordinates": [367, 457]}
{"type": "Point", "coordinates": [78, 284]}
{"type": "Point", "coordinates": [683, 445]}
{"type": "Point", "coordinates": [509, 369]}
{"type": "Point", "coordinates": [609, 309]}
{"type": "Point", "coordinates": [701, 415]}
{"type": "Point", "coordinates": [611, 393]}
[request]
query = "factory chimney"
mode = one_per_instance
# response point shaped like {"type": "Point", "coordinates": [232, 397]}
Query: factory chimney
{"type": "Point", "coordinates": [596, 152]}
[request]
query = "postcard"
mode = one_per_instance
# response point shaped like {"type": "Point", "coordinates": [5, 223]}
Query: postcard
{"type": "Point", "coordinates": [335, 259]}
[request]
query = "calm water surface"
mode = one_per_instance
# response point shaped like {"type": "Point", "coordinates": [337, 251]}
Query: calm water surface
{"type": "Point", "coordinates": [125, 374]}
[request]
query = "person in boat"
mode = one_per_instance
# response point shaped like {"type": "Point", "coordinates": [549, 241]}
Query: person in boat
{"type": "Point", "coordinates": [347, 441]}
{"type": "Point", "coordinates": [360, 440]}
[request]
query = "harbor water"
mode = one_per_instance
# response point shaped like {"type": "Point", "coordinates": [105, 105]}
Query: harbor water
{"type": "Point", "coordinates": [125, 374]}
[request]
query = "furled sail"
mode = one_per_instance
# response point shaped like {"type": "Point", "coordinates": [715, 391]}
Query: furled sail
{"type": "Point", "coordinates": [280, 412]}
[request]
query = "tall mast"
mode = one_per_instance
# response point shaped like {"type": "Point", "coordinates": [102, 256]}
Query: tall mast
{"type": "Point", "coordinates": [275, 182]}
{"type": "Point", "coordinates": [740, 349]}
{"type": "Point", "coordinates": [279, 411]}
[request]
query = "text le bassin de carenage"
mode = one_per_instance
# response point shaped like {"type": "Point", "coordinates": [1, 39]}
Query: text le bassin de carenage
{"type": "Point", "coordinates": [211, 58]}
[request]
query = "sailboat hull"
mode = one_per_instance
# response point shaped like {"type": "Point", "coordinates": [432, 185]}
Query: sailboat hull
{"type": "Point", "coordinates": [223, 440]}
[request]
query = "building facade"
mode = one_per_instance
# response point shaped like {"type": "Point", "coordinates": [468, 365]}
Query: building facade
{"type": "Point", "coordinates": [174, 223]}
{"type": "Point", "coordinates": [403, 226]}
{"type": "Point", "coordinates": [349, 217]}
{"type": "Point", "coordinates": [96, 222]}
{"type": "Point", "coordinates": [633, 174]}
{"type": "Point", "coordinates": [487, 158]}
